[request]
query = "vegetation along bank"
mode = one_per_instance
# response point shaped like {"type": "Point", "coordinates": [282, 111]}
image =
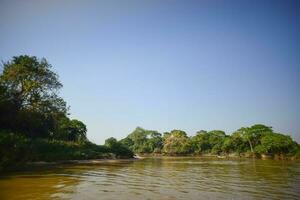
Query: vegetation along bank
{"type": "Point", "coordinates": [35, 126]}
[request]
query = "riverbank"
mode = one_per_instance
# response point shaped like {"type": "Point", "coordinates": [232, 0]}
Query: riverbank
{"type": "Point", "coordinates": [16, 151]}
{"type": "Point", "coordinates": [89, 161]}
{"type": "Point", "coordinates": [227, 156]}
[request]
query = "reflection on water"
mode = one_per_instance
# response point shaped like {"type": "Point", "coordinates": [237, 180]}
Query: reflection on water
{"type": "Point", "coordinates": [159, 178]}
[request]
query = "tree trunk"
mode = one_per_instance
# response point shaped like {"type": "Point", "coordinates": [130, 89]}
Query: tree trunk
{"type": "Point", "coordinates": [251, 147]}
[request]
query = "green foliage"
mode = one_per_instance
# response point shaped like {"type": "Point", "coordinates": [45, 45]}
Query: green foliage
{"type": "Point", "coordinates": [31, 83]}
{"type": "Point", "coordinates": [208, 142]}
{"type": "Point", "coordinates": [29, 101]}
{"type": "Point", "coordinates": [252, 135]}
{"type": "Point", "coordinates": [111, 142]}
{"type": "Point", "coordinates": [16, 150]}
{"type": "Point", "coordinates": [54, 150]}
{"type": "Point", "coordinates": [71, 130]}
{"type": "Point", "coordinates": [13, 149]}
{"type": "Point", "coordinates": [237, 144]}
{"type": "Point", "coordinates": [34, 125]}
{"type": "Point", "coordinates": [228, 144]}
{"type": "Point", "coordinates": [259, 137]}
{"type": "Point", "coordinates": [155, 142]}
{"type": "Point", "coordinates": [177, 142]}
{"type": "Point", "coordinates": [200, 142]}
{"type": "Point", "coordinates": [143, 141]}
{"type": "Point", "coordinates": [275, 143]}
{"type": "Point", "coordinates": [119, 149]}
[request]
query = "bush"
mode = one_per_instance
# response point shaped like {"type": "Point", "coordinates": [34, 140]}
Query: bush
{"type": "Point", "coordinates": [275, 143]}
{"type": "Point", "coordinates": [119, 149]}
{"type": "Point", "coordinates": [16, 150]}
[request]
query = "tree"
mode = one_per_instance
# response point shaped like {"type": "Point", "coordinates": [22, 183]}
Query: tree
{"type": "Point", "coordinates": [143, 141]}
{"type": "Point", "coordinates": [211, 141]}
{"type": "Point", "coordinates": [200, 142]}
{"type": "Point", "coordinates": [154, 141]}
{"type": "Point", "coordinates": [177, 142]}
{"type": "Point", "coordinates": [8, 110]}
{"type": "Point", "coordinates": [253, 134]}
{"type": "Point", "coordinates": [29, 96]}
{"type": "Point", "coordinates": [31, 83]}
{"type": "Point", "coordinates": [275, 143]}
{"type": "Point", "coordinates": [259, 137]}
{"type": "Point", "coordinates": [127, 142]}
{"type": "Point", "coordinates": [71, 130]}
{"type": "Point", "coordinates": [238, 144]}
{"type": "Point", "coordinates": [110, 142]}
{"type": "Point", "coordinates": [139, 139]}
{"type": "Point", "coordinates": [178, 133]}
{"type": "Point", "coordinates": [227, 145]}
{"type": "Point", "coordinates": [119, 149]}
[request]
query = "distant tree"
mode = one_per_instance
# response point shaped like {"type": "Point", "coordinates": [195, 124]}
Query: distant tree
{"type": "Point", "coordinates": [228, 144]}
{"type": "Point", "coordinates": [154, 141]}
{"type": "Point", "coordinates": [110, 142]}
{"type": "Point", "coordinates": [165, 136]}
{"type": "Point", "coordinates": [236, 143]}
{"type": "Point", "coordinates": [259, 137]}
{"type": "Point", "coordinates": [253, 134]}
{"type": "Point", "coordinates": [178, 133]}
{"type": "Point", "coordinates": [143, 141]}
{"type": "Point", "coordinates": [127, 142]}
{"type": "Point", "coordinates": [216, 139]}
{"type": "Point", "coordinates": [177, 142]}
{"type": "Point", "coordinates": [275, 143]}
{"type": "Point", "coordinates": [200, 142]}
{"type": "Point", "coordinates": [205, 142]}
{"type": "Point", "coordinates": [119, 149]}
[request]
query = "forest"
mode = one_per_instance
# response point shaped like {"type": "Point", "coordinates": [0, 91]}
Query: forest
{"type": "Point", "coordinates": [35, 126]}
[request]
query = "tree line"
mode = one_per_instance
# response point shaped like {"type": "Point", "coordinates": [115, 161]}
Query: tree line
{"type": "Point", "coordinates": [257, 139]}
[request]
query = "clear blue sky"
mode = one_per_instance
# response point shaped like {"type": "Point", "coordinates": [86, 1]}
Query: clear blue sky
{"type": "Point", "coordinates": [166, 64]}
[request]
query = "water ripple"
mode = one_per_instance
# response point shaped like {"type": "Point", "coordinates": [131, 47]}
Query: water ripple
{"type": "Point", "coordinates": [163, 178]}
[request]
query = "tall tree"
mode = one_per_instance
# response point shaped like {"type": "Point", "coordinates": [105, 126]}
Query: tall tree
{"type": "Point", "coordinates": [32, 84]}
{"type": "Point", "coordinates": [29, 96]}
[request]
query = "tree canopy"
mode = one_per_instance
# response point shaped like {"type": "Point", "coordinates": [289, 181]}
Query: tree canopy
{"type": "Point", "coordinates": [30, 101]}
{"type": "Point", "coordinates": [31, 84]}
{"type": "Point", "coordinates": [143, 141]}
{"type": "Point", "coordinates": [259, 138]}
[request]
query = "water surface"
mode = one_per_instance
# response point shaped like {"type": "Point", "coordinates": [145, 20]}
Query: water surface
{"type": "Point", "coordinates": [158, 178]}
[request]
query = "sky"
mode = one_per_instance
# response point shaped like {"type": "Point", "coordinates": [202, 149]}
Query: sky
{"type": "Point", "coordinates": [163, 65]}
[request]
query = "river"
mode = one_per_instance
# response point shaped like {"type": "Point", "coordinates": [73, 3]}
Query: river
{"type": "Point", "coordinates": [158, 178]}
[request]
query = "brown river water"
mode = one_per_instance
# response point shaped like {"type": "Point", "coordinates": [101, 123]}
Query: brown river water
{"type": "Point", "coordinates": [158, 178]}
